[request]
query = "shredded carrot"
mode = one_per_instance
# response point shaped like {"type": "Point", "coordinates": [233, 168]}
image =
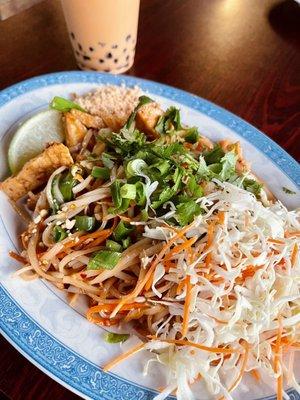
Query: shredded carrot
{"type": "Point", "coordinates": [249, 272]}
{"type": "Point", "coordinates": [294, 255]}
{"type": "Point", "coordinates": [255, 374]}
{"type": "Point", "coordinates": [187, 303]}
{"type": "Point", "coordinates": [109, 307]}
{"type": "Point", "coordinates": [208, 259]}
{"type": "Point", "coordinates": [180, 286]}
{"type": "Point", "coordinates": [97, 241]}
{"type": "Point", "coordinates": [96, 319]}
{"type": "Point", "coordinates": [276, 241]}
{"type": "Point", "coordinates": [217, 281]}
{"type": "Point", "coordinates": [180, 247]}
{"type": "Point", "coordinates": [210, 233]}
{"type": "Point", "coordinates": [221, 217]}
{"type": "Point", "coordinates": [277, 359]}
{"type": "Point", "coordinates": [291, 234]}
{"type": "Point", "coordinates": [123, 357]}
{"type": "Point", "coordinates": [104, 233]}
{"type": "Point", "coordinates": [169, 264]}
{"type": "Point", "coordinates": [188, 145]}
{"type": "Point", "coordinates": [17, 257]}
{"type": "Point", "coordinates": [184, 342]}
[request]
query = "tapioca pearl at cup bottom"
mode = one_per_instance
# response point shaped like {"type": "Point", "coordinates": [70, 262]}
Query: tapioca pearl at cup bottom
{"type": "Point", "coordinates": [91, 48]}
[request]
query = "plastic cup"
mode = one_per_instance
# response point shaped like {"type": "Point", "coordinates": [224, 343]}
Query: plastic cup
{"type": "Point", "coordinates": [103, 33]}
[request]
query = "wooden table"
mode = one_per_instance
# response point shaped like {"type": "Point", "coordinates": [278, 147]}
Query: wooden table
{"type": "Point", "coordinates": [240, 54]}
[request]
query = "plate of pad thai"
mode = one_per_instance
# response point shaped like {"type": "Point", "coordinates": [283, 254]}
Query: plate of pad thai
{"type": "Point", "coordinates": [150, 242]}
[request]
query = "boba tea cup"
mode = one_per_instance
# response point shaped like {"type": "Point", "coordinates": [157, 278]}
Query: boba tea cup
{"type": "Point", "coordinates": [103, 33]}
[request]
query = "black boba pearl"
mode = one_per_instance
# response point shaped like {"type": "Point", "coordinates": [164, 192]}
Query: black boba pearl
{"type": "Point", "coordinates": [91, 48]}
{"type": "Point", "coordinates": [79, 46]}
{"type": "Point", "coordinates": [128, 37]}
{"type": "Point", "coordinates": [72, 35]}
{"type": "Point", "coordinates": [109, 55]}
{"type": "Point", "coordinates": [86, 57]}
{"type": "Point", "coordinates": [101, 61]}
{"type": "Point", "coordinates": [115, 60]}
{"type": "Point", "coordinates": [114, 46]}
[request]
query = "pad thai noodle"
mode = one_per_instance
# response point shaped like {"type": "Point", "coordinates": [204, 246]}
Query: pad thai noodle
{"type": "Point", "coordinates": [171, 234]}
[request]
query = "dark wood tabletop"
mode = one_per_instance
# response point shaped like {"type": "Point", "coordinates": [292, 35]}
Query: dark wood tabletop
{"type": "Point", "coordinates": [241, 54]}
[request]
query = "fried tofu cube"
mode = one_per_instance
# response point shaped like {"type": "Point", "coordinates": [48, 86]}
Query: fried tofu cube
{"type": "Point", "coordinates": [147, 118]}
{"type": "Point", "coordinates": [88, 120]}
{"type": "Point", "coordinates": [75, 131]}
{"type": "Point", "coordinates": [36, 171]}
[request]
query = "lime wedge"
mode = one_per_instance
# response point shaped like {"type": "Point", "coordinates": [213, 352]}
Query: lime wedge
{"type": "Point", "coordinates": [32, 136]}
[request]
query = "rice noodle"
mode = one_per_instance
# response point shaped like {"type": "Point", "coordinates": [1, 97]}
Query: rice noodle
{"type": "Point", "coordinates": [82, 185]}
{"type": "Point", "coordinates": [48, 189]}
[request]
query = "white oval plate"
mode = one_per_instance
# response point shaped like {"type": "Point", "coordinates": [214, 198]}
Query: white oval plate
{"type": "Point", "coordinates": [36, 318]}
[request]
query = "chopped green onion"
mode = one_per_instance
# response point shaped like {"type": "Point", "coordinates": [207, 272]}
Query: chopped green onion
{"type": "Point", "coordinates": [192, 135]}
{"type": "Point", "coordinates": [57, 196]}
{"type": "Point", "coordinates": [126, 242]}
{"type": "Point", "coordinates": [163, 166]}
{"type": "Point", "coordinates": [112, 245]}
{"type": "Point", "coordinates": [66, 185]}
{"type": "Point", "coordinates": [59, 233]}
{"type": "Point", "coordinates": [100, 172]}
{"type": "Point", "coordinates": [107, 160]}
{"type": "Point", "coordinates": [111, 337]}
{"type": "Point", "coordinates": [115, 193]}
{"type": "Point", "coordinates": [122, 230]}
{"type": "Point", "coordinates": [140, 194]}
{"type": "Point", "coordinates": [144, 215]}
{"type": "Point", "coordinates": [128, 191]}
{"type": "Point", "coordinates": [104, 259]}
{"type": "Point", "coordinates": [85, 223]}
{"type": "Point", "coordinates": [64, 105]}
{"type": "Point", "coordinates": [135, 167]}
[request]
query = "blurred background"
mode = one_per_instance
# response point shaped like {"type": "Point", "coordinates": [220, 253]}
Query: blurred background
{"type": "Point", "coordinates": [242, 54]}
